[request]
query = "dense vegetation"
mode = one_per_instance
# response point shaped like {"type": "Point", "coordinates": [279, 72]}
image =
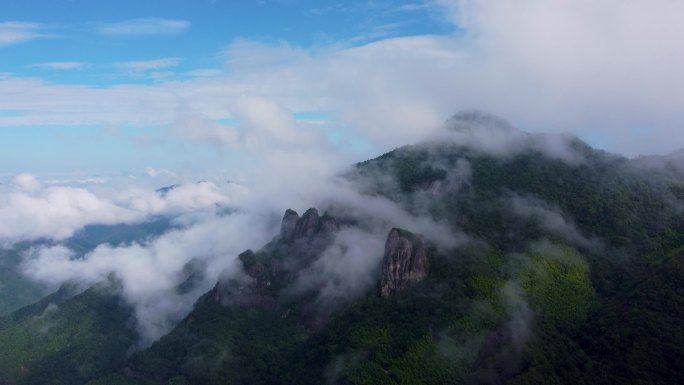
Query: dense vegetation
{"type": "Point", "coordinates": [15, 290]}
{"type": "Point", "coordinates": [65, 339]}
{"type": "Point", "coordinates": [574, 274]}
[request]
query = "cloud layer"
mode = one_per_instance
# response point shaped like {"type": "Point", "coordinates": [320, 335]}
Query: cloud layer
{"type": "Point", "coordinates": [33, 210]}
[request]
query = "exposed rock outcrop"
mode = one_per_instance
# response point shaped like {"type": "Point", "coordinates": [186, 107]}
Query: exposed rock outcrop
{"type": "Point", "coordinates": [405, 261]}
{"type": "Point", "coordinates": [310, 225]}
{"type": "Point", "coordinates": [289, 223]}
{"type": "Point", "coordinates": [277, 265]}
{"type": "Point", "coordinates": [249, 290]}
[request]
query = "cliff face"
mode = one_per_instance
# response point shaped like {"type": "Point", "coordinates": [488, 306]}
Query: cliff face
{"type": "Point", "coordinates": [289, 223]}
{"type": "Point", "coordinates": [405, 262]}
{"type": "Point", "coordinates": [268, 271]}
{"type": "Point", "coordinates": [309, 226]}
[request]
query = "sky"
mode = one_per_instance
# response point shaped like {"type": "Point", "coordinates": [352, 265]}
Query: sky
{"type": "Point", "coordinates": [214, 86]}
{"type": "Point", "coordinates": [110, 86]}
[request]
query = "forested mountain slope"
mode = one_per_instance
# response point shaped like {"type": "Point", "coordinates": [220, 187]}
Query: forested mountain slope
{"type": "Point", "coordinates": [532, 260]}
{"type": "Point", "coordinates": [568, 269]}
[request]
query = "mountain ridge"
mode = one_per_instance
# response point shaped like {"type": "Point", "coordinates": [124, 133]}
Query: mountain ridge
{"type": "Point", "coordinates": [552, 250]}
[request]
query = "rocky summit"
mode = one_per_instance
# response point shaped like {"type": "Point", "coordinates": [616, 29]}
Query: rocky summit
{"type": "Point", "coordinates": [309, 225]}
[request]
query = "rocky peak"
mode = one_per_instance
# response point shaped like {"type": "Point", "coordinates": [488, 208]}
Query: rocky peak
{"type": "Point", "coordinates": [310, 225]}
{"type": "Point", "coordinates": [405, 261]}
{"type": "Point", "coordinates": [289, 224]}
{"type": "Point", "coordinates": [278, 264]}
{"type": "Point", "coordinates": [307, 225]}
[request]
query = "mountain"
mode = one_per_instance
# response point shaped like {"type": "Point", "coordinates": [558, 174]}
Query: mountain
{"type": "Point", "coordinates": [491, 256]}
{"type": "Point", "coordinates": [88, 238]}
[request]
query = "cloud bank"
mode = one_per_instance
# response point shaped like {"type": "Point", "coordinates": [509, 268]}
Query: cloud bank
{"type": "Point", "coordinates": [32, 210]}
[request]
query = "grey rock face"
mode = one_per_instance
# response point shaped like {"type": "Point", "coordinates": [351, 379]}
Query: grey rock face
{"type": "Point", "coordinates": [287, 228]}
{"type": "Point", "coordinates": [405, 262]}
{"type": "Point", "coordinates": [300, 241]}
{"type": "Point", "coordinates": [310, 225]}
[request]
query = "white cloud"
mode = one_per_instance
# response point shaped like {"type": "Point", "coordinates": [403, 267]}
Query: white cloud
{"type": "Point", "coordinates": [201, 129]}
{"type": "Point", "coordinates": [47, 104]}
{"type": "Point", "coordinates": [56, 211]}
{"type": "Point", "coordinates": [204, 73]}
{"type": "Point", "coordinates": [269, 122]}
{"type": "Point", "coordinates": [551, 219]}
{"type": "Point", "coordinates": [348, 268]}
{"type": "Point", "coordinates": [26, 182]}
{"type": "Point", "coordinates": [607, 67]}
{"type": "Point", "coordinates": [13, 32]}
{"type": "Point", "coordinates": [147, 65]}
{"type": "Point", "coordinates": [153, 172]}
{"type": "Point", "coordinates": [394, 91]}
{"type": "Point", "coordinates": [144, 27]}
{"type": "Point", "coordinates": [150, 273]}
{"type": "Point", "coordinates": [268, 142]}
{"type": "Point", "coordinates": [61, 65]}
{"type": "Point", "coordinates": [412, 7]}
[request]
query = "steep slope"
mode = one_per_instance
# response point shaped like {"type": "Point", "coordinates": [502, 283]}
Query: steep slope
{"type": "Point", "coordinates": [241, 331]}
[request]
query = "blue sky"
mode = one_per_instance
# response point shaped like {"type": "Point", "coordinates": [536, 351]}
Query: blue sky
{"type": "Point", "coordinates": [115, 41]}
{"type": "Point", "coordinates": [211, 86]}
{"type": "Point", "coordinates": [103, 44]}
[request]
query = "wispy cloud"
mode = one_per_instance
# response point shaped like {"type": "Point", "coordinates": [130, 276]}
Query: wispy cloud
{"type": "Point", "coordinates": [204, 73]}
{"type": "Point", "coordinates": [13, 32]}
{"type": "Point", "coordinates": [61, 65]}
{"type": "Point", "coordinates": [149, 65]}
{"type": "Point", "coordinates": [413, 7]}
{"type": "Point", "coordinates": [378, 32]}
{"type": "Point", "coordinates": [144, 27]}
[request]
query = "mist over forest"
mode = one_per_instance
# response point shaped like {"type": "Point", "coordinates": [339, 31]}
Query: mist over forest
{"type": "Point", "coordinates": [412, 192]}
